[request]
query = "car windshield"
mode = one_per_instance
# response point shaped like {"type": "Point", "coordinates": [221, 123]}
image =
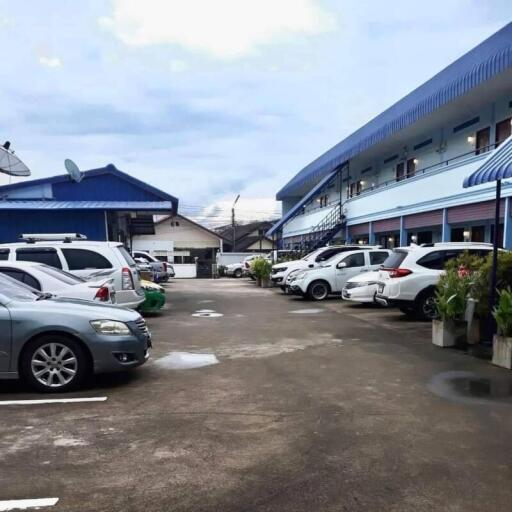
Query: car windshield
{"type": "Point", "coordinates": [394, 260]}
{"type": "Point", "coordinates": [61, 275]}
{"type": "Point", "coordinates": [127, 256]}
{"type": "Point", "coordinates": [310, 255]}
{"type": "Point", "coordinates": [14, 290]}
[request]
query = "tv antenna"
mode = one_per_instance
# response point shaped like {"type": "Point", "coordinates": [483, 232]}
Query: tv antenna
{"type": "Point", "coordinates": [73, 170]}
{"type": "Point", "coordinates": [10, 164]}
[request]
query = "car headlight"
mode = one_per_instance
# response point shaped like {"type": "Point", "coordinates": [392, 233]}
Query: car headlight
{"type": "Point", "coordinates": [300, 275]}
{"type": "Point", "coordinates": [111, 327]}
{"type": "Point", "coordinates": [359, 284]}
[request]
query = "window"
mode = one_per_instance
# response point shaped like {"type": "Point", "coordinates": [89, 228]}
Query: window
{"type": "Point", "coordinates": [80, 259]}
{"type": "Point", "coordinates": [483, 139]}
{"type": "Point", "coordinates": [354, 260]}
{"type": "Point", "coordinates": [4, 254]}
{"type": "Point", "coordinates": [434, 260]}
{"type": "Point", "coordinates": [400, 171]}
{"type": "Point", "coordinates": [503, 131]}
{"type": "Point", "coordinates": [329, 253]}
{"type": "Point", "coordinates": [45, 255]}
{"type": "Point", "coordinates": [22, 277]}
{"type": "Point", "coordinates": [411, 167]}
{"type": "Point", "coordinates": [61, 275]}
{"type": "Point", "coordinates": [126, 255]}
{"type": "Point", "coordinates": [394, 260]}
{"type": "Point", "coordinates": [376, 258]}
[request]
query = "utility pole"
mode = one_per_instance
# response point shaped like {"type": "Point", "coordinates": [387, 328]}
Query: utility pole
{"type": "Point", "coordinates": [233, 225]}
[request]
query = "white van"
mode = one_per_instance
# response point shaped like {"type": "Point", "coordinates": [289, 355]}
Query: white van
{"type": "Point", "coordinates": [84, 258]}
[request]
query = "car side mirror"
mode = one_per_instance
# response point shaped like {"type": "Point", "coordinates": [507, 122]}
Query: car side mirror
{"type": "Point", "coordinates": [341, 264]}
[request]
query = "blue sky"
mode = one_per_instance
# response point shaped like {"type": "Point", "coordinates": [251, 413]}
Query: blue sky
{"type": "Point", "coordinates": [207, 99]}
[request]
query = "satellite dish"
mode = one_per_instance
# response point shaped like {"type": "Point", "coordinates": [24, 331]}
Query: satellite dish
{"type": "Point", "coordinates": [73, 170]}
{"type": "Point", "coordinates": [10, 164]}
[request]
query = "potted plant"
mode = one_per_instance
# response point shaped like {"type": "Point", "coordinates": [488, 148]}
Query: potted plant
{"type": "Point", "coordinates": [502, 342]}
{"type": "Point", "coordinates": [262, 269]}
{"type": "Point", "coordinates": [452, 293]}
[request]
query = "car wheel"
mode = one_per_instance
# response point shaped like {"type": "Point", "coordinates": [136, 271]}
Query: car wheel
{"type": "Point", "coordinates": [318, 290]}
{"type": "Point", "coordinates": [425, 307]}
{"type": "Point", "coordinates": [238, 272]}
{"type": "Point", "coordinates": [54, 363]}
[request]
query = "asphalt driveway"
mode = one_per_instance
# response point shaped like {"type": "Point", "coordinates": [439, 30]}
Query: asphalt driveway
{"type": "Point", "coordinates": [254, 401]}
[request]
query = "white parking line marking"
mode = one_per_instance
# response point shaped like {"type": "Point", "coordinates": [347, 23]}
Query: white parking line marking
{"type": "Point", "coordinates": [25, 504]}
{"type": "Point", "coordinates": [53, 401]}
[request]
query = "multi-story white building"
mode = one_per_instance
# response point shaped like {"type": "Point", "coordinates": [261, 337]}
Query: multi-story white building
{"type": "Point", "coordinates": [398, 179]}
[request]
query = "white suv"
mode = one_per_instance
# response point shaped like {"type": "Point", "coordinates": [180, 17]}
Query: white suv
{"type": "Point", "coordinates": [330, 277]}
{"type": "Point", "coordinates": [408, 278]}
{"type": "Point", "coordinates": [84, 258]}
{"type": "Point", "coordinates": [281, 271]}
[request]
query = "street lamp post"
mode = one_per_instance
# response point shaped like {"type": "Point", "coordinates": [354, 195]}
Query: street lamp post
{"type": "Point", "coordinates": [233, 225]}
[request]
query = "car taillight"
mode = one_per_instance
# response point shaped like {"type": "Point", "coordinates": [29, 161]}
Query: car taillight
{"type": "Point", "coordinates": [397, 272]}
{"type": "Point", "coordinates": [103, 295]}
{"type": "Point", "coordinates": [165, 266]}
{"type": "Point", "coordinates": [127, 279]}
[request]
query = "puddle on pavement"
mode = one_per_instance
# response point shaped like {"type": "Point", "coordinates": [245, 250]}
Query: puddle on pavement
{"type": "Point", "coordinates": [206, 315]}
{"type": "Point", "coordinates": [306, 311]}
{"type": "Point", "coordinates": [185, 360]}
{"type": "Point", "coordinates": [205, 311]}
{"type": "Point", "coordinates": [470, 388]}
{"type": "Point", "coordinates": [205, 301]}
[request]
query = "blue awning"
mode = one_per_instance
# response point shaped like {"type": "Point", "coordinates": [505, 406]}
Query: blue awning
{"type": "Point", "coordinates": [296, 208]}
{"type": "Point", "coordinates": [160, 206]}
{"type": "Point", "coordinates": [490, 58]}
{"type": "Point", "coordinates": [497, 166]}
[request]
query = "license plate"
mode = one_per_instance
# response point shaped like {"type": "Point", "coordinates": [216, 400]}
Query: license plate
{"type": "Point", "coordinates": [381, 287]}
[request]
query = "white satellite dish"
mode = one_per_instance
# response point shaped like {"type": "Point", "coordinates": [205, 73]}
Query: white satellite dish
{"type": "Point", "coordinates": [10, 164]}
{"type": "Point", "coordinates": [73, 170]}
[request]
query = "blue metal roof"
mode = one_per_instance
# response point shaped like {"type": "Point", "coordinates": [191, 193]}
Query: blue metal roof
{"type": "Point", "coordinates": [164, 206]}
{"type": "Point", "coordinates": [489, 58]}
{"type": "Point", "coordinates": [296, 208]}
{"type": "Point", "coordinates": [107, 184]}
{"type": "Point", "coordinates": [497, 166]}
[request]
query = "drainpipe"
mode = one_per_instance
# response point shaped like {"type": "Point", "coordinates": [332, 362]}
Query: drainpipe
{"type": "Point", "coordinates": [446, 234]}
{"type": "Point", "coordinates": [403, 233]}
{"type": "Point", "coordinates": [371, 234]}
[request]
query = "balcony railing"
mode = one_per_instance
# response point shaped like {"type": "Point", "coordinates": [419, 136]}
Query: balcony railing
{"type": "Point", "coordinates": [463, 157]}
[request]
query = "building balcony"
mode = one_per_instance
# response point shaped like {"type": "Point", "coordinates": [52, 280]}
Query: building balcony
{"type": "Point", "coordinates": [436, 187]}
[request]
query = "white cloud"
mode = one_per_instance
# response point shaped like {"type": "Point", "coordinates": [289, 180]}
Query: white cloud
{"type": "Point", "coordinates": [220, 28]}
{"type": "Point", "coordinates": [178, 66]}
{"type": "Point", "coordinates": [50, 62]}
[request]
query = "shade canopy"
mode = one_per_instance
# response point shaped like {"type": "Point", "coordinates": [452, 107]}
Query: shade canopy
{"type": "Point", "coordinates": [497, 166]}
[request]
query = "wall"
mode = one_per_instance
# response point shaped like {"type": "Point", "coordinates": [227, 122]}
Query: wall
{"type": "Point", "coordinates": [184, 235]}
{"type": "Point", "coordinates": [184, 270]}
{"type": "Point", "coordinates": [89, 223]}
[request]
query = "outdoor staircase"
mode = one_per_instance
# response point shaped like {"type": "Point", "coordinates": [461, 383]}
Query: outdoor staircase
{"type": "Point", "coordinates": [325, 230]}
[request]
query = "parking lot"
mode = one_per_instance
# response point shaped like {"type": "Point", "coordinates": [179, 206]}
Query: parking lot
{"type": "Point", "coordinates": [255, 401]}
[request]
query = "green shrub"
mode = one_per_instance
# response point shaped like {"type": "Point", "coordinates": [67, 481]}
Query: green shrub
{"type": "Point", "coordinates": [261, 267]}
{"type": "Point", "coordinates": [483, 279]}
{"type": "Point", "coordinates": [503, 313]}
{"type": "Point", "coordinates": [452, 293]}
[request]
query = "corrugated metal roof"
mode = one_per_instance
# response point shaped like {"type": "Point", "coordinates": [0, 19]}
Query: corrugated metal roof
{"type": "Point", "coordinates": [68, 189]}
{"type": "Point", "coordinates": [86, 205]}
{"type": "Point", "coordinates": [489, 58]}
{"type": "Point", "coordinates": [497, 166]}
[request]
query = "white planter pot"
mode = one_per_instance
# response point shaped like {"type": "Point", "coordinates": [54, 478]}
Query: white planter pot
{"type": "Point", "coordinates": [447, 334]}
{"type": "Point", "coordinates": [502, 351]}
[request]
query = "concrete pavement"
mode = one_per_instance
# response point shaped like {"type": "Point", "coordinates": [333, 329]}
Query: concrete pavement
{"type": "Point", "coordinates": [310, 407]}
